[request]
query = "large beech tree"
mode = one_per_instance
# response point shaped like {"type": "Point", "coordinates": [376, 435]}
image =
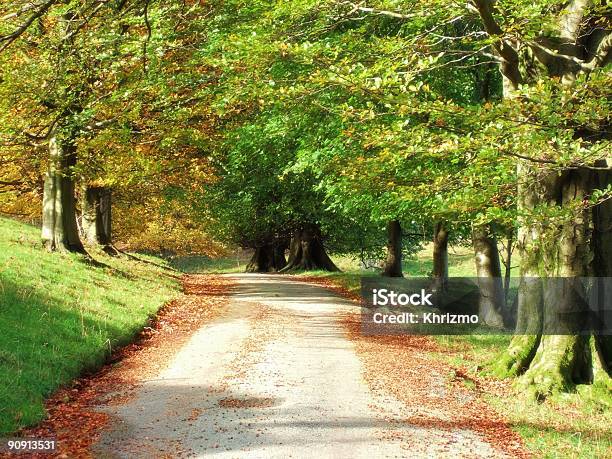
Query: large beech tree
{"type": "Point", "coordinates": [572, 43]}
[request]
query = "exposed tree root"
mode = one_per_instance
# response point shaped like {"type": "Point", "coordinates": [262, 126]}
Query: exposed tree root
{"type": "Point", "coordinates": [516, 359]}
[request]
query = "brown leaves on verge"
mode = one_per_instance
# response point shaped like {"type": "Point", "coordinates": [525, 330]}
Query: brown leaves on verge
{"type": "Point", "coordinates": [72, 417]}
{"type": "Point", "coordinates": [433, 390]}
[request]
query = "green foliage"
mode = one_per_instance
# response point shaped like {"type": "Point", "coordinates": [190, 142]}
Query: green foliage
{"type": "Point", "coordinates": [252, 119]}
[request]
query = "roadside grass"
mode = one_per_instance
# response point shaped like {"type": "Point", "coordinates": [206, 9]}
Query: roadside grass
{"type": "Point", "coordinates": [195, 264]}
{"type": "Point", "coordinates": [460, 264]}
{"type": "Point", "coordinates": [569, 425]}
{"type": "Point", "coordinates": [61, 317]}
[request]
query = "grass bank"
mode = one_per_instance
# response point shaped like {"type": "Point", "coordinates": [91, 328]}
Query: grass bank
{"type": "Point", "coordinates": [567, 425]}
{"type": "Point", "coordinates": [61, 317]}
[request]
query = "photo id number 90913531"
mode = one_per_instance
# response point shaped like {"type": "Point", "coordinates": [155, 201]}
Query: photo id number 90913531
{"type": "Point", "coordinates": [28, 445]}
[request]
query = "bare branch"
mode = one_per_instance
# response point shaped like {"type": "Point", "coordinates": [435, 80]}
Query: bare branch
{"type": "Point", "coordinates": [16, 14]}
{"type": "Point", "coordinates": [555, 163]}
{"type": "Point", "coordinates": [84, 22]}
{"type": "Point", "coordinates": [563, 64]}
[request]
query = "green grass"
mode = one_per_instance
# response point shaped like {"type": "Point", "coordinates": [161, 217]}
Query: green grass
{"type": "Point", "coordinates": [61, 317]}
{"type": "Point", "coordinates": [460, 264]}
{"type": "Point", "coordinates": [203, 264]}
{"type": "Point", "coordinates": [568, 425]}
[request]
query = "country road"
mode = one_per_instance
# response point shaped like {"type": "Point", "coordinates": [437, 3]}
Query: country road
{"type": "Point", "coordinates": [276, 375]}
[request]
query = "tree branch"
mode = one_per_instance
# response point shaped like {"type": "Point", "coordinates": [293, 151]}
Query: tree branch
{"type": "Point", "coordinates": [510, 65]}
{"type": "Point", "coordinates": [9, 39]}
{"type": "Point", "coordinates": [551, 162]}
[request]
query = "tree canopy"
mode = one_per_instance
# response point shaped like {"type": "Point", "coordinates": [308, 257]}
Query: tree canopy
{"type": "Point", "coordinates": [307, 127]}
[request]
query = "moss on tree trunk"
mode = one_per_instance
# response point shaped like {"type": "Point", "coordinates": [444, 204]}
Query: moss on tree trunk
{"type": "Point", "coordinates": [561, 361]}
{"type": "Point", "coordinates": [552, 295]}
{"type": "Point", "coordinates": [602, 268]}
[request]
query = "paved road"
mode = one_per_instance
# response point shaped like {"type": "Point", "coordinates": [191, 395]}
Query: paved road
{"type": "Point", "coordinates": [274, 377]}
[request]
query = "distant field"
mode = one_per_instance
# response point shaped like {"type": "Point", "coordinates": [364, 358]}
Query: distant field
{"type": "Point", "coordinates": [461, 263]}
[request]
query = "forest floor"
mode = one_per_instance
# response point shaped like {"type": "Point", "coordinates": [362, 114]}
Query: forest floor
{"type": "Point", "coordinates": [274, 367]}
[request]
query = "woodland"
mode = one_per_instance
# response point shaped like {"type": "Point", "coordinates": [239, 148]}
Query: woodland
{"type": "Point", "coordinates": [305, 130]}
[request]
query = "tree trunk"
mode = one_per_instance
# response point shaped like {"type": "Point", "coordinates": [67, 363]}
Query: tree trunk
{"type": "Point", "coordinates": [279, 255]}
{"type": "Point", "coordinates": [267, 258]}
{"type": "Point", "coordinates": [440, 258]}
{"type": "Point", "coordinates": [307, 253]}
{"type": "Point", "coordinates": [59, 224]}
{"type": "Point", "coordinates": [96, 213]}
{"type": "Point", "coordinates": [393, 265]}
{"type": "Point", "coordinates": [562, 360]}
{"type": "Point", "coordinates": [261, 261]}
{"type": "Point", "coordinates": [517, 358]}
{"type": "Point", "coordinates": [488, 271]}
{"type": "Point", "coordinates": [602, 266]}
{"type": "Point", "coordinates": [508, 268]}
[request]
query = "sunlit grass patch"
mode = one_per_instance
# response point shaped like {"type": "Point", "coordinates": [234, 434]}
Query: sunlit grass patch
{"type": "Point", "coordinates": [576, 425]}
{"type": "Point", "coordinates": [60, 317]}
